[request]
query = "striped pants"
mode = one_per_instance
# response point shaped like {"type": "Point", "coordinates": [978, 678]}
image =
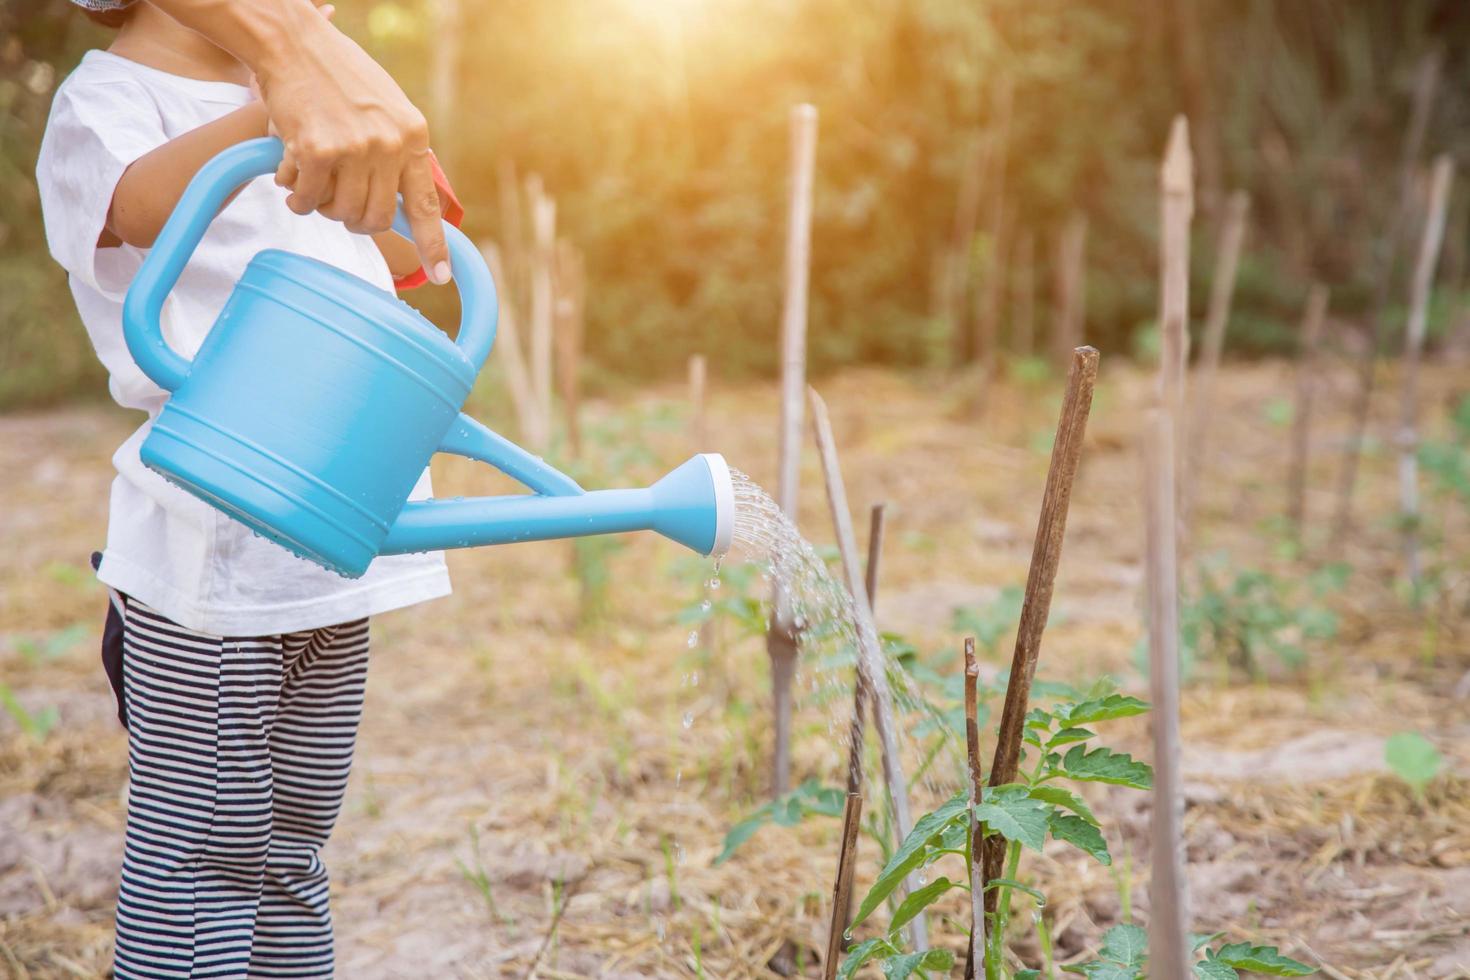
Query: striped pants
{"type": "Point", "coordinates": [238, 751]}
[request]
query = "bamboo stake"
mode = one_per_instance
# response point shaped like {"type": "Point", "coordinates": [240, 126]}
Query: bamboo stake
{"type": "Point", "coordinates": [861, 700]}
{"type": "Point", "coordinates": [697, 377]}
{"type": "Point", "coordinates": [1426, 84]}
{"type": "Point", "coordinates": [509, 351]}
{"type": "Point", "coordinates": [976, 954]}
{"type": "Point", "coordinates": [1024, 330]}
{"type": "Point", "coordinates": [1408, 440]}
{"type": "Point", "coordinates": [1306, 387]}
{"type": "Point", "coordinates": [860, 693]}
{"type": "Point", "coordinates": [1046, 555]}
{"type": "Point", "coordinates": [1176, 191]}
{"type": "Point", "coordinates": [842, 888]}
{"type": "Point", "coordinates": [781, 639]}
{"type": "Point", "coordinates": [543, 223]}
{"type": "Point", "coordinates": [1068, 320]}
{"type": "Point", "coordinates": [1169, 957]}
{"type": "Point", "coordinates": [870, 655]}
{"type": "Point", "coordinates": [443, 85]}
{"type": "Point", "coordinates": [1222, 291]}
{"type": "Point", "coordinates": [571, 288]}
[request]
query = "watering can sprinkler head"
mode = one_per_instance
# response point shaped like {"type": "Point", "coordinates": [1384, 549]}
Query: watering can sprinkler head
{"type": "Point", "coordinates": [313, 406]}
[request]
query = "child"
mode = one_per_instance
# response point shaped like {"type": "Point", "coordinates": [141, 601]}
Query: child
{"type": "Point", "coordinates": [242, 667]}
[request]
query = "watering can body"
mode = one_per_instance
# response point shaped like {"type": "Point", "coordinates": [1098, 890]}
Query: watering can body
{"type": "Point", "coordinates": [317, 399]}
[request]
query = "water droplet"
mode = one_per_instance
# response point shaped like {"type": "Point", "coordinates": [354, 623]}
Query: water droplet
{"type": "Point", "coordinates": [678, 777]}
{"type": "Point", "coordinates": [688, 720]}
{"type": "Point", "coordinates": [706, 606]}
{"type": "Point", "coordinates": [714, 583]}
{"type": "Point", "coordinates": [678, 853]}
{"type": "Point", "coordinates": [923, 877]}
{"type": "Point", "coordinates": [693, 640]}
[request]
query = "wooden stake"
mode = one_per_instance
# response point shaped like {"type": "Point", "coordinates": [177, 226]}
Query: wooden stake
{"type": "Point", "coordinates": [842, 888]}
{"type": "Point", "coordinates": [1426, 84]}
{"type": "Point", "coordinates": [1169, 957]}
{"type": "Point", "coordinates": [1176, 191]}
{"type": "Point", "coordinates": [1408, 437]}
{"type": "Point", "coordinates": [571, 289]}
{"type": "Point", "coordinates": [543, 221]}
{"type": "Point", "coordinates": [781, 639]}
{"type": "Point", "coordinates": [1071, 299]}
{"type": "Point", "coordinates": [976, 954]}
{"type": "Point", "coordinates": [1024, 322]}
{"type": "Point", "coordinates": [697, 375]}
{"type": "Point", "coordinates": [509, 351]}
{"type": "Point", "coordinates": [870, 655]}
{"type": "Point", "coordinates": [861, 700]}
{"type": "Point", "coordinates": [1046, 555]}
{"type": "Point", "coordinates": [1222, 290]}
{"type": "Point", "coordinates": [1306, 386]}
{"type": "Point", "coordinates": [443, 82]}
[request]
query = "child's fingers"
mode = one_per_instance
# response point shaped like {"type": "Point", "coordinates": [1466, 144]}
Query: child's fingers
{"type": "Point", "coordinates": [313, 187]}
{"type": "Point", "coordinates": [287, 171]}
{"type": "Point", "coordinates": [327, 10]}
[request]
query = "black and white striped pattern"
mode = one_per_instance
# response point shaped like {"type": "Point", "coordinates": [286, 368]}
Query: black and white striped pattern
{"type": "Point", "coordinates": [238, 751]}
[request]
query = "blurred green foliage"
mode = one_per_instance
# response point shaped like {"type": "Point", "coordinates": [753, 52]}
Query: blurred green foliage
{"type": "Point", "coordinates": [660, 126]}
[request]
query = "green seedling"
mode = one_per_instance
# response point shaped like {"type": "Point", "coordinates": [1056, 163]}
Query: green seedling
{"type": "Point", "coordinates": [1413, 759]}
{"type": "Point", "coordinates": [37, 725]}
{"type": "Point", "coordinates": [478, 877]}
{"type": "Point", "coordinates": [808, 799]}
{"type": "Point", "coordinates": [1124, 956]}
{"type": "Point", "coordinates": [1024, 814]}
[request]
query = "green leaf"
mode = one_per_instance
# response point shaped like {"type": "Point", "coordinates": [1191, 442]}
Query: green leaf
{"type": "Point", "coordinates": [1101, 709]}
{"type": "Point", "coordinates": [1019, 886]}
{"type": "Point", "coordinates": [859, 955]}
{"type": "Point", "coordinates": [1126, 944]}
{"type": "Point", "coordinates": [1079, 833]}
{"type": "Point", "coordinates": [740, 833]}
{"type": "Point", "coordinates": [1261, 959]}
{"type": "Point", "coordinates": [1199, 940]}
{"type": "Point", "coordinates": [1011, 812]}
{"type": "Point", "coordinates": [1102, 970]}
{"type": "Point", "coordinates": [1068, 735]}
{"type": "Point", "coordinates": [809, 799]}
{"type": "Point", "coordinates": [911, 852]}
{"type": "Point", "coordinates": [1057, 796]}
{"type": "Point", "coordinates": [901, 967]}
{"type": "Point", "coordinates": [1028, 975]}
{"type": "Point", "coordinates": [1413, 759]}
{"type": "Point", "coordinates": [918, 901]}
{"type": "Point", "coordinates": [1215, 970]}
{"type": "Point", "coordinates": [1103, 765]}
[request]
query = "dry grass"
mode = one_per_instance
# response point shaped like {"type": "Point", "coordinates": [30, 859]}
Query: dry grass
{"type": "Point", "coordinates": [495, 716]}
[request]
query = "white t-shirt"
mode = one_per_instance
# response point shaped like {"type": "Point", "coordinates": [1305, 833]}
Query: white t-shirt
{"type": "Point", "coordinates": [165, 547]}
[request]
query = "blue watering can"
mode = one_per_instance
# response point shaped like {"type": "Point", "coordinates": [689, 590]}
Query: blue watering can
{"type": "Point", "coordinates": [317, 399]}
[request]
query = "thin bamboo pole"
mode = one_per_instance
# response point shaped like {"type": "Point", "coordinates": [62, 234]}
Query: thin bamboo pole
{"type": "Point", "coordinates": [1176, 192]}
{"type": "Point", "coordinates": [842, 888]}
{"type": "Point", "coordinates": [443, 83]}
{"type": "Point", "coordinates": [509, 351]}
{"type": "Point", "coordinates": [781, 640]}
{"type": "Point", "coordinates": [976, 953]}
{"type": "Point", "coordinates": [1024, 323]}
{"type": "Point", "coordinates": [1046, 556]}
{"type": "Point", "coordinates": [870, 655]}
{"type": "Point", "coordinates": [1426, 85]}
{"type": "Point", "coordinates": [1309, 342]}
{"type": "Point", "coordinates": [1408, 435]}
{"type": "Point", "coordinates": [1169, 957]}
{"type": "Point", "coordinates": [861, 700]}
{"type": "Point", "coordinates": [543, 222]}
{"type": "Point", "coordinates": [571, 289]}
{"type": "Point", "coordinates": [1222, 291]}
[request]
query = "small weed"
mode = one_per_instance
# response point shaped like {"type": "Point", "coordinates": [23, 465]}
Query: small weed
{"type": "Point", "coordinates": [1413, 759]}
{"type": "Point", "coordinates": [53, 646]}
{"type": "Point", "coordinates": [38, 725]}
{"type": "Point", "coordinates": [478, 877]}
{"type": "Point", "coordinates": [1124, 956]}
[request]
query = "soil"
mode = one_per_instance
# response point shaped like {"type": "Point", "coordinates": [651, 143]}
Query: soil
{"type": "Point", "coordinates": [527, 800]}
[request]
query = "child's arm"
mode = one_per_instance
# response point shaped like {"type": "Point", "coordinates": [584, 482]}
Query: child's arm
{"type": "Point", "coordinates": [148, 190]}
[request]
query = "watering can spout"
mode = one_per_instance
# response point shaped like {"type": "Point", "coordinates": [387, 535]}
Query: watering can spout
{"type": "Point", "coordinates": [693, 505]}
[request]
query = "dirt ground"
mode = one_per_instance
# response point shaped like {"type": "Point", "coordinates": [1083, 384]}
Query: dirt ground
{"type": "Point", "coordinates": [527, 798]}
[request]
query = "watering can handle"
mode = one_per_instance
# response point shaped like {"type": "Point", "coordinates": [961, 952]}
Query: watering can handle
{"type": "Point", "coordinates": [201, 201]}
